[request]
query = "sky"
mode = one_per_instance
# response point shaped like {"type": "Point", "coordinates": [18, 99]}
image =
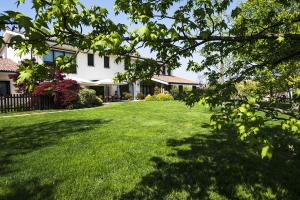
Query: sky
{"type": "Point", "coordinates": [108, 4]}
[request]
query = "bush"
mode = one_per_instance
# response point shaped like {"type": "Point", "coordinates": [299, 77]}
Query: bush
{"type": "Point", "coordinates": [150, 98]}
{"type": "Point", "coordinates": [128, 95]}
{"type": "Point", "coordinates": [175, 92]}
{"type": "Point", "coordinates": [99, 101]}
{"type": "Point", "coordinates": [160, 97]}
{"type": "Point", "coordinates": [247, 88]}
{"type": "Point", "coordinates": [87, 97]}
{"type": "Point", "coordinates": [164, 97]}
{"type": "Point", "coordinates": [65, 92]}
{"type": "Point", "coordinates": [140, 96]}
{"type": "Point", "coordinates": [156, 90]}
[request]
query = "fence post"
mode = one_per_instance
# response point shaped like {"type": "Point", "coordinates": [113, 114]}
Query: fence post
{"type": "Point", "coordinates": [1, 104]}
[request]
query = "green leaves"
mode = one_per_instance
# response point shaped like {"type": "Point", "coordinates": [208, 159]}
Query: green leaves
{"type": "Point", "coordinates": [24, 76]}
{"type": "Point", "coordinates": [280, 39]}
{"type": "Point", "coordinates": [206, 34]}
{"type": "Point", "coordinates": [143, 31]}
{"type": "Point", "coordinates": [291, 125]}
{"type": "Point", "coordinates": [266, 152]}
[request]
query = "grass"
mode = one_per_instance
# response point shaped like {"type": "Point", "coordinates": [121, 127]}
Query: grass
{"type": "Point", "coordinates": [135, 150]}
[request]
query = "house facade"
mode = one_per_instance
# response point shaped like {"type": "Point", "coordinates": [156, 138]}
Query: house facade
{"type": "Point", "coordinates": [93, 71]}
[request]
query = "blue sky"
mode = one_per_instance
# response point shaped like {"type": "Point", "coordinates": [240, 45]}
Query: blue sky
{"type": "Point", "coordinates": [26, 9]}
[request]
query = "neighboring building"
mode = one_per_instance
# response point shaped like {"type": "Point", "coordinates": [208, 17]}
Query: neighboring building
{"type": "Point", "coordinates": [7, 67]}
{"type": "Point", "coordinates": [92, 71]}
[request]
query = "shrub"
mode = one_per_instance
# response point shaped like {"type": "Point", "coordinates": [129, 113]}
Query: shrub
{"type": "Point", "coordinates": [175, 92]}
{"type": "Point", "coordinates": [65, 92]}
{"type": "Point", "coordinates": [156, 90]}
{"type": "Point", "coordinates": [140, 96]}
{"type": "Point", "coordinates": [150, 98]}
{"type": "Point", "coordinates": [247, 88]}
{"type": "Point", "coordinates": [87, 97]}
{"type": "Point", "coordinates": [128, 95]}
{"type": "Point", "coordinates": [164, 97]}
{"type": "Point", "coordinates": [99, 101]}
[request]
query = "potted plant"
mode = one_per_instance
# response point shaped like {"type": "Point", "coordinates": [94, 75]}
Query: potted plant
{"type": "Point", "coordinates": [128, 96]}
{"type": "Point", "coordinates": [140, 96]}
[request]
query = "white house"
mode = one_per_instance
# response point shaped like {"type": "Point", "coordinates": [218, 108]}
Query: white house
{"type": "Point", "coordinates": [92, 71]}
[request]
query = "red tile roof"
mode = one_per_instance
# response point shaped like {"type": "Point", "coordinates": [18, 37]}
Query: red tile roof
{"type": "Point", "coordinates": [174, 80]}
{"type": "Point", "coordinates": [7, 65]}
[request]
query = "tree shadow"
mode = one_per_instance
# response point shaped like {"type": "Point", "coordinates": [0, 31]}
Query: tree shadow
{"type": "Point", "coordinates": [217, 166]}
{"type": "Point", "coordinates": [17, 140]}
{"type": "Point", "coordinates": [30, 189]}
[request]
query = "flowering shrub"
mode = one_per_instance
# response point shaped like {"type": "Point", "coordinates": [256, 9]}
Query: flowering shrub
{"type": "Point", "coordinates": [160, 97]}
{"type": "Point", "coordinates": [65, 92]}
{"type": "Point", "coordinates": [150, 98]}
{"type": "Point", "coordinates": [164, 97]}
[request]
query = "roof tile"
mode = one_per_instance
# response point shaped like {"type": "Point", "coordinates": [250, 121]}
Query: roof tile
{"type": "Point", "coordinates": [7, 65]}
{"type": "Point", "coordinates": [174, 80]}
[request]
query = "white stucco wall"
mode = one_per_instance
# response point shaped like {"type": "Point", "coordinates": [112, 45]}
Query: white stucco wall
{"type": "Point", "coordinates": [13, 55]}
{"type": "Point", "coordinates": [4, 77]}
{"type": "Point", "coordinates": [97, 72]}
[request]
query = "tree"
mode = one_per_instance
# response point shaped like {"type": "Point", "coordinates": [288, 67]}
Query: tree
{"type": "Point", "coordinates": [261, 36]}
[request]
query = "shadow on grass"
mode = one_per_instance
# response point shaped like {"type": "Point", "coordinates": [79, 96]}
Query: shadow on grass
{"type": "Point", "coordinates": [217, 166]}
{"type": "Point", "coordinates": [31, 189]}
{"type": "Point", "coordinates": [18, 140]}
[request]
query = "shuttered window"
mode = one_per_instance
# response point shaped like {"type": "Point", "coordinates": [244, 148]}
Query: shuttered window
{"type": "Point", "coordinates": [106, 62]}
{"type": "Point", "coordinates": [90, 59]}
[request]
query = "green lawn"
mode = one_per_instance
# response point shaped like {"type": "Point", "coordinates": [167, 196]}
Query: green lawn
{"type": "Point", "coordinates": [138, 150]}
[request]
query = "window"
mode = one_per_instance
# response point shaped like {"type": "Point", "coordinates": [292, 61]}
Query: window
{"type": "Point", "coordinates": [169, 72]}
{"type": "Point", "coordinates": [164, 70]}
{"type": "Point", "coordinates": [4, 88]}
{"type": "Point", "coordinates": [106, 62]}
{"type": "Point", "coordinates": [58, 53]}
{"type": "Point", "coordinates": [49, 59]}
{"type": "Point", "coordinates": [90, 59]}
{"type": "Point", "coordinates": [53, 54]}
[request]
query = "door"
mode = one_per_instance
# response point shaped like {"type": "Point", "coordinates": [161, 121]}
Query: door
{"type": "Point", "coordinates": [4, 88]}
{"type": "Point", "coordinates": [123, 89]}
{"type": "Point", "coordinates": [99, 90]}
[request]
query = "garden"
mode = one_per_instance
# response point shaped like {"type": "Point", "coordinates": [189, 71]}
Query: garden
{"type": "Point", "coordinates": [137, 150]}
{"type": "Point", "coordinates": [234, 137]}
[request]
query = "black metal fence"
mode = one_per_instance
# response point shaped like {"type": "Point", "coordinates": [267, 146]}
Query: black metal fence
{"type": "Point", "coordinates": [25, 102]}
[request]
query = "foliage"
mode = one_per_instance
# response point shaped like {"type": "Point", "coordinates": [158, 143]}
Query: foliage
{"type": "Point", "coordinates": [87, 97]}
{"type": "Point", "coordinates": [98, 101]}
{"type": "Point", "coordinates": [263, 41]}
{"type": "Point", "coordinates": [247, 88]}
{"type": "Point", "coordinates": [175, 92]}
{"type": "Point", "coordinates": [140, 96]}
{"type": "Point", "coordinates": [65, 92]}
{"type": "Point", "coordinates": [164, 97]}
{"type": "Point", "coordinates": [30, 73]}
{"type": "Point", "coordinates": [128, 95]}
{"type": "Point", "coordinates": [150, 98]}
{"type": "Point", "coordinates": [159, 97]}
{"type": "Point", "coordinates": [156, 90]}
